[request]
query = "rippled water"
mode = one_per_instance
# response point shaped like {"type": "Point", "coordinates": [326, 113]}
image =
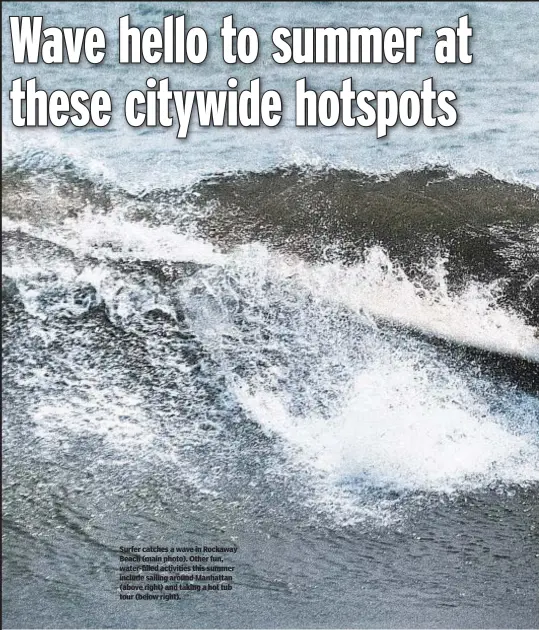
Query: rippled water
{"type": "Point", "coordinates": [317, 346]}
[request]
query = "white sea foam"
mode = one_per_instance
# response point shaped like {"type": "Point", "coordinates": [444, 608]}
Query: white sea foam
{"type": "Point", "coordinates": [379, 289]}
{"type": "Point", "coordinates": [403, 429]}
{"type": "Point", "coordinates": [354, 408]}
{"type": "Point", "coordinates": [113, 237]}
{"type": "Point", "coordinates": [471, 316]}
{"type": "Point", "coordinates": [398, 417]}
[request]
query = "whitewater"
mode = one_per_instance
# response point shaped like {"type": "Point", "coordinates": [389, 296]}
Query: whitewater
{"type": "Point", "coordinates": [313, 347]}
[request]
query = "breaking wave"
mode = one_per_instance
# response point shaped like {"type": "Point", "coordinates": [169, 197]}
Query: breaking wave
{"type": "Point", "coordinates": [330, 338]}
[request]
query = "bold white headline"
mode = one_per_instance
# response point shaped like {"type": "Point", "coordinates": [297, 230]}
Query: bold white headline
{"type": "Point", "coordinates": [157, 104]}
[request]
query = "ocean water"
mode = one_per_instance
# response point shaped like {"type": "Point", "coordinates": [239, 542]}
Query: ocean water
{"type": "Point", "coordinates": [311, 344]}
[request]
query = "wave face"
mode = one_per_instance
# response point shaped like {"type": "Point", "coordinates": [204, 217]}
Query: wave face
{"type": "Point", "coordinates": [342, 342]}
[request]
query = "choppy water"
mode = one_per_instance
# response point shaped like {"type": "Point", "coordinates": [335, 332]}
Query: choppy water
{"type": "Point", "coordinates": [317, 346]}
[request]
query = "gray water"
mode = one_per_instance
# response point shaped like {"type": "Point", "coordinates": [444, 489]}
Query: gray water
{"type": "Point", "coordinates": [315, 346]}
{"type": "Point", "coordinates": [497, 94]}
